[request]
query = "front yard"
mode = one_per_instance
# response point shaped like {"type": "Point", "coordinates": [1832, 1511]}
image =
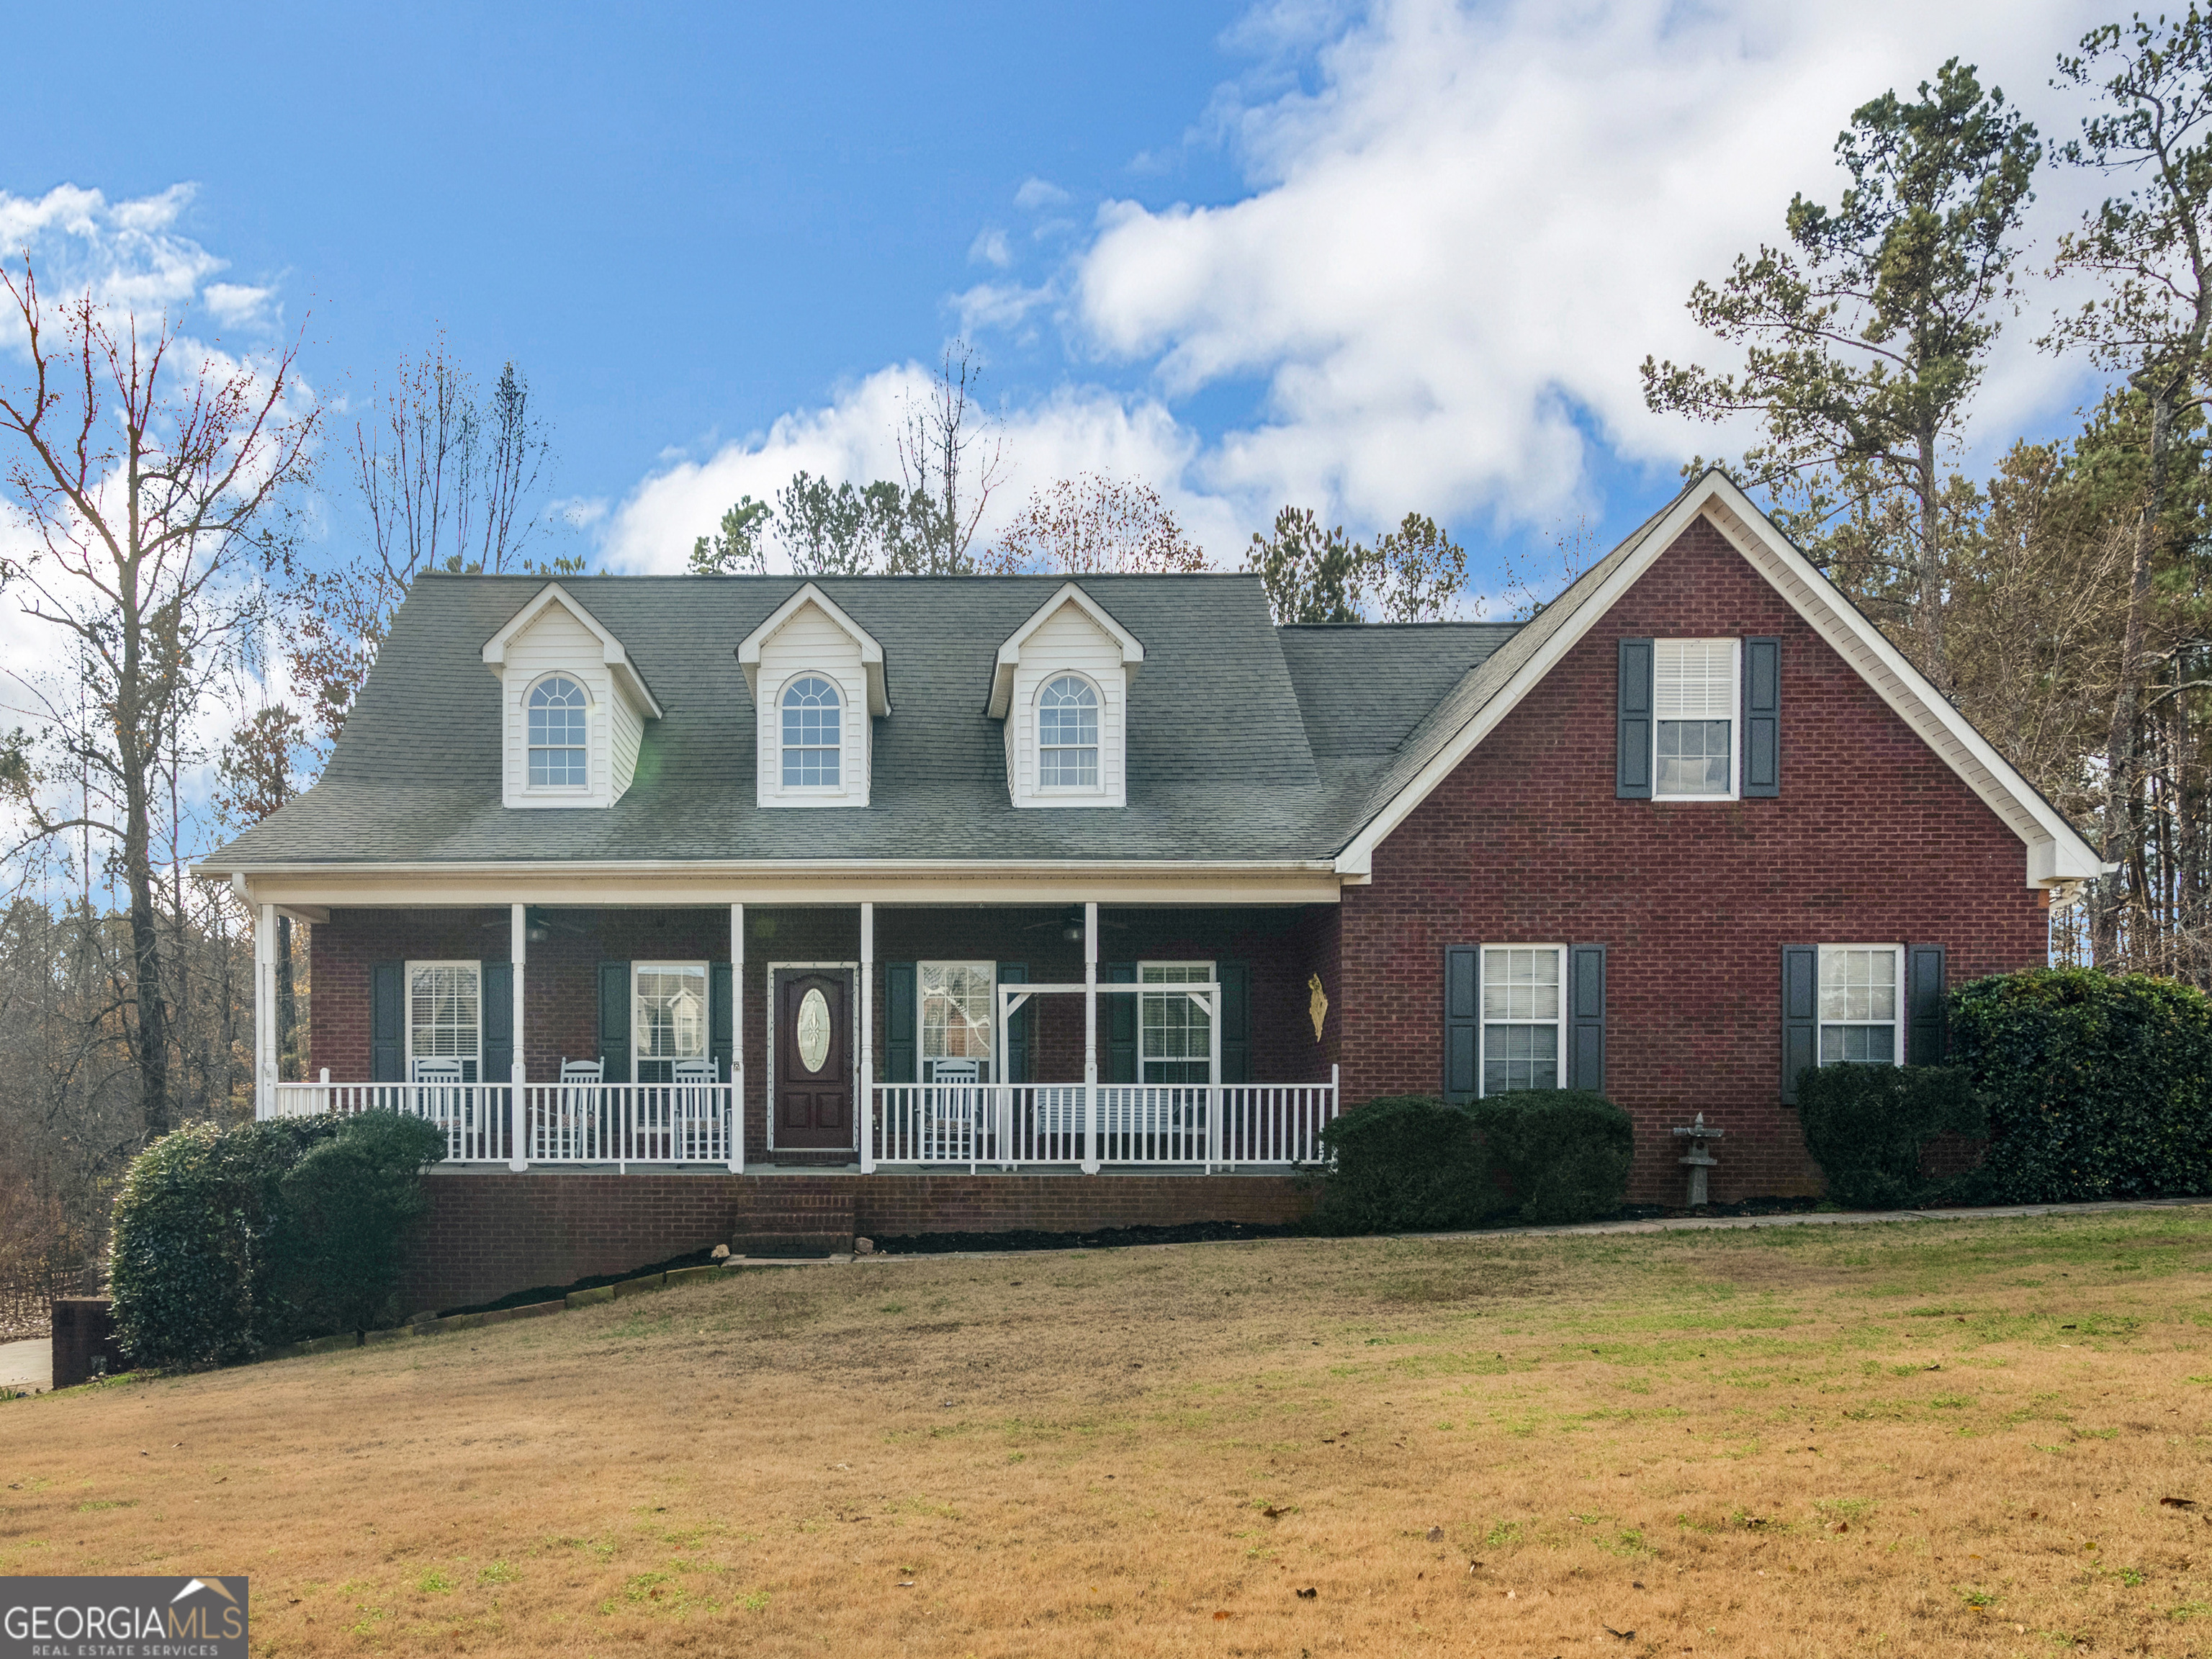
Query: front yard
{"type": "Point", "coordinates": [1911, 1438]}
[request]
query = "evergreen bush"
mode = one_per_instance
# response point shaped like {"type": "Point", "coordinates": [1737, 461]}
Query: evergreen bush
{"type": "Point", "coordinates": [1566, 1151]}
{"type": "Point", "coordinates": [227, 1240]}
{"type": "Point", "coordinates": [1405, 1163]}
{"type": "Point", "coordinates": [2098, 1085]}
{"type": "Point", "coordinates": [1866, 1125]}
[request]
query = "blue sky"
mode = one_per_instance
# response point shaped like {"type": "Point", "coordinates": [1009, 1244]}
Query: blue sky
{"type": "Point", "coordinates": [1368, 261]}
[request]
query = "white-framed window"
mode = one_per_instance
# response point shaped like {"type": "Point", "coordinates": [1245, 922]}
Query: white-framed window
{"type": "Point", "coordinates": [812, 729]}
{"type": "Point", "coordinates": [445, 1015]}
{"type": "Point", "coordinates": [560, 749]}
{"type": "Point", "coordinates": [955, 1017]}
{"type": "Point", "coordinates": [1173, 1029]}
{"type": "Point", "coordinates": [1524, 1016]}
{"type": "Point", "coordinates": [668, 1017]}
{"type": "Point", "coordinates": [1068, 733]}
{"type": "Point", "coordinates": [1694, 690]}
{"type": "Point", "coordinates": [1862, 1003]}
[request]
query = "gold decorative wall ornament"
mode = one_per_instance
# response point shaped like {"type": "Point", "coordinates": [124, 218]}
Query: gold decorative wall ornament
{"type": "Point", "coordinates": [1318, 1006]}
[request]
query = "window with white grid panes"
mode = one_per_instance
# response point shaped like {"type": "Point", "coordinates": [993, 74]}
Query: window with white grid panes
{"type": "Point", "coordinates": [1175, 1030]}
{"type": "Point", "coordinates": [955, 1017]}
{"type": "Point", "coordinates": [1861, 996]}
{"type": "Point", "coordinates": [444, 1015]}
{"type": "Point", "coordinates": [1523, 1013]}
{"type": "Point", "coordinates": [1067, 734]}
{"type": "Point", "coordinates": [811, 730]}
{"type": "Point", "coordinates": [1693, 690]}
{"type": "Point", "coordinates": [559, 750]}
{"type": "Point", "coordinates": [668, 1017]}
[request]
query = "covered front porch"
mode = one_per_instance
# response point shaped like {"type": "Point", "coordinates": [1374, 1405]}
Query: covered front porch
{"type": "Point", "coordinates": [761, 1037]}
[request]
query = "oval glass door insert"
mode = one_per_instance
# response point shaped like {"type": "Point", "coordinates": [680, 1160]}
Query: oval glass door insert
{"type": "Point", "coordinates": [813, 1029]}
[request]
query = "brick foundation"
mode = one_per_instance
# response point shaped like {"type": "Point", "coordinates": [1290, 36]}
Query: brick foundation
{"type": "Point", "coordinates": [487, 1236]}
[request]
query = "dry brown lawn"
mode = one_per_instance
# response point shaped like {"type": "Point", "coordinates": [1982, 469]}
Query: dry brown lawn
{"type": "Point", "coordinates": [1903, 1439]}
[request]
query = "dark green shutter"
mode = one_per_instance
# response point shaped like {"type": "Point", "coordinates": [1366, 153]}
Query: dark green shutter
{"type": "Point", "coordinates": [1017, 1069]}
{"type": "Point", "coordinates": [496, 983]}
{"type": "Point", "coordinates": [1762, 717]}
{"type": "Point", "coordinates": [1121, 1013]}
{"type": "Point", "coordinates": [1235, 1021]}
{"type": "Point", "coordinates": [721, 1006]}
{"type": "Point", "coordinates": [387, 1022]}
{"type": "Point", "coordinates": [1586, 1018]}
{"type": "Point", "coordinates": [1801, 1006]}
{"type": "Point", "coordinates": [614, 1022]}
{"type": "Point", "coordinates": [899, 995]}
{"type": "Point", "coordinates": [1927, 1038]}
{"type": "Point", "coordinates": [1462, 993]}
{"type": "Point", "coordinates": [1632, 734]}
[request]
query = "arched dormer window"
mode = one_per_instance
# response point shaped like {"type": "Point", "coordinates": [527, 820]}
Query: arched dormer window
{"type": "Point", "coordinates": [810, 734]}
{"type": "Point", "coordinates": [1067, 734]}
{"type": "Point", "coordinates": [559, 748]}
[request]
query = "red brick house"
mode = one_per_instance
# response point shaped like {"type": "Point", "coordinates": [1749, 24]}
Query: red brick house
{"type": "Point", "coordinates": [698, 906]}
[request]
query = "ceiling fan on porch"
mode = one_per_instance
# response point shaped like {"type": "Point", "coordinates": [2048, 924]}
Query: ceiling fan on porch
{"type": "Point", "coordinates": [540, 925]}
{"type": "Point", "coordinates": [1070, 924]}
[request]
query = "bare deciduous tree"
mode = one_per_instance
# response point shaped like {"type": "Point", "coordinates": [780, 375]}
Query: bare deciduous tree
{"type": "Point", "coordinates": [158, 499]}
{"type": "Point", "coordinates": [1094, 525]}
{"type": "Point", "coordinates": [954, 457]}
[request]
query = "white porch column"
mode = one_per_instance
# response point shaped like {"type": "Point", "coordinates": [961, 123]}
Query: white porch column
{"type": "Point", "coordinates": [867, 1114]}
{"type": "Point", "coordinates": [518, 1114]}
{"type": "Point", "coordinates": [1089, 1039]}
{"type": "Point", "coordinates": [1213, 1073]}
{"type": "Point", "coordinates": [264, 1011]}
{"type": "Point", "coordinates": [737, 1039]}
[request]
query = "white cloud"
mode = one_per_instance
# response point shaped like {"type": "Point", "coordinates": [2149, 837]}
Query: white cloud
{"type": "Point", "coordinates": [853, 439]}
{"type": "Point", "coordinates": [990, 248]}
{"type": "Point", "coordinates": [1481, 221]}
{"type": "Point", "coordinates": [1461, 231]}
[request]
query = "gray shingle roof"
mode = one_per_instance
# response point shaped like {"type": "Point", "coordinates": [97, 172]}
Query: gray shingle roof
{"type": "Point", "coordinates": [1247, 742]}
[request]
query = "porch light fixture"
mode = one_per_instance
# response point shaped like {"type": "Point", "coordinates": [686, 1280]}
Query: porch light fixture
{"type": "Point", "coordinates": [1071, 928]}
{"type": "Point", "coordinates": [534, 927]}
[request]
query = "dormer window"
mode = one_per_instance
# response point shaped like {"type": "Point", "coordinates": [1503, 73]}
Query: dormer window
{"type": "Point", "coordinates": [558, 752]}
{"type": "Point", "coordinates": [816, 677]}
{"type": "Point", "coordinates": [1062, 686]}
{"type": "Point", "coordinates": [573, 706]}
{"type": "Point", "coordinates": [810, 734]}
{"type": "Point", "coordinates": [1067, 735]}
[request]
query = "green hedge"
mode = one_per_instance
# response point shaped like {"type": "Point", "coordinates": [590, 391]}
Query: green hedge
{"type": "Point", "coordinates": [2098, 1085]}
{"type": "Point", "coordinates": [1866, 1125]}
{"type": "Point", "coordinates": [226, 1240]}
{"type": "Point", "coordinates": [1565, 1151]}
{"type": "Point", "coordinates": [1414, 1164]}
{"type": "Point", "coordinates": [1405, 1163]}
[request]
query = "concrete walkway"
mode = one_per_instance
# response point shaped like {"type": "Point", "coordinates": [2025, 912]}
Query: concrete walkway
{"type": "Point", "coordinates": [28, 1364]}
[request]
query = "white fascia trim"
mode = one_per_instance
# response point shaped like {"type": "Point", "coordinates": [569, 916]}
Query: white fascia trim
{"type": "Point", "coordinates": [611, 648]}
{"type": "Point", "coordinates": [1010, 653]}
{"type": "Point", "coordinates": [951, 868]}
{"type": "Point", "coordinates": [872, 654]}
{"type": "Point", "coordinates": [2056, 851]}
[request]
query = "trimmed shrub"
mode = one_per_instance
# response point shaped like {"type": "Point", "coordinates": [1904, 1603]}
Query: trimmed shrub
{"type": "Point", "coordinates": [227, 1240]}
{"type": "Point", "coordinates": [344, 1213]}
{"type": "Point", "coordinates": [1405, 1163]}
{"type": "Point", "coordinates": [191, 1264]}
{"type": "Point", "coordinates": [1866, 1125]}
{"type": "Point", "coordinates": [1565, 1151]}
{"type": "Point", "coordinates": [2098, 1085]}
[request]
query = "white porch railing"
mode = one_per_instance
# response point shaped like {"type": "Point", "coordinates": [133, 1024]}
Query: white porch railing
{"type": "Point", "coordinates": [618, 1123]}
{"type": "Point", "coordinates": [1207, 1125]}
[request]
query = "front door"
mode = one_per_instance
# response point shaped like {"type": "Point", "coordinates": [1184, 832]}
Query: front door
{"type": "Point", "coordinates": [813, 1072]}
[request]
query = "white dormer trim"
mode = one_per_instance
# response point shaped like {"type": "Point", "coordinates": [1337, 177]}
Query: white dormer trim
{"type": "Point", "coordinates": [1070, 634]}
{"type": "Point", "coordinates": [872, 654]}
{"type": "Point", "coordinates": [611, 648]}
{"type": "Point", "coordinates": [809, 633]}
{"type": "Point", "coordinates": [1010, 653]}
{"type": "Point", "coordinates": [555, 635]}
